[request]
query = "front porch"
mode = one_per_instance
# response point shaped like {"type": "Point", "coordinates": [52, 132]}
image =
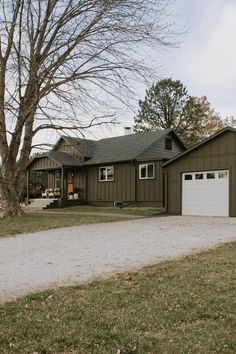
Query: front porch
{"type": "Point", "coordinates": [43, 203]}
{"type": "Point", "coordinates": [53, 184]}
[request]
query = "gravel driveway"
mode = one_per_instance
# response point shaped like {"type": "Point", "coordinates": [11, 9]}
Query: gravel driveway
{"type": "Point", "coordinates": [49, 258]}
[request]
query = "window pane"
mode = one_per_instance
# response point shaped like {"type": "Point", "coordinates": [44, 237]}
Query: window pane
{"type": "Point", "coordinates": [110, 173]}
{"type": "Point", "coordinates": [143, 171]}
{"type": "Point", "coordinates": [150, 168]}
{"type": "Point", "coordinates": [102, 174]}
{"type": "Point", "coordinates": [222, 175]}
{"type": "Point", "coordinates": [210, 175]}
{"type": "Point", "coordinates": [57, 179]}
{"type": "Point", "coordinates": [188, 177]}
{"type": "Point", "coordinates": [199, 176]}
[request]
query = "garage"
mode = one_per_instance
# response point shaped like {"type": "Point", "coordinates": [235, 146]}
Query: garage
{"type": "Point", "coordinates": [205, 193]}
{"type": "Point", "coordinates": [202, 180]}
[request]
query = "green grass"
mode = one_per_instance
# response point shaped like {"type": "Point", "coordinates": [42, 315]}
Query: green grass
{"type": "Point", "coordinates": [127, 211]}
{"type": "Point", "coordinates": [182, 306]}
{"type": "Point", "coordinates": [52, 219]}
{"type": "Point", "coordinates": [32, 222]}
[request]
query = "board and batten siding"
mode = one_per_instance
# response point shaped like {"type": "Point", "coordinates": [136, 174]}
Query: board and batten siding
{"type": "Point", "coordinates": [157, 149]}
{"type": "Point", "coordinates": [44, 163]}
{"type": "Point", "coordinates": [150, 190]}
{"type": "Point", "coordinates": [65, 147]}
{"type": "Point", "coordinates": [216, 154]}
{"type": "Point", "coordinates": [121, 189]}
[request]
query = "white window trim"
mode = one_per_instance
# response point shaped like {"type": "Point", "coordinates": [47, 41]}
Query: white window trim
{"type": "Point", "coordinates": [146, 165]}
{"type": "Point", "coordinates": [106, 179]}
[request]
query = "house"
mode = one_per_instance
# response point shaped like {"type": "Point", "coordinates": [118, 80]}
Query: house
{"type": "Point", "coordinates": [202, 180]}
{"type": "Point", "coordinates": [125, 169]}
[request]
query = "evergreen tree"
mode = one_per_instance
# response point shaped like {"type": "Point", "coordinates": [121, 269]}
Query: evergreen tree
{"type": "Point", "coordinates": [168, 105]}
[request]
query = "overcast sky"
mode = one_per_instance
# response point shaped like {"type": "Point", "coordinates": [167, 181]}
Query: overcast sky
{"type": "Point", "coordinates": [205, 60]}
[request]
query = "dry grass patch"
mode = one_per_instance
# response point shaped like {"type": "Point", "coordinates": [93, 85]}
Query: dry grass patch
{"type": "Point", "coordinates": [182, 306]}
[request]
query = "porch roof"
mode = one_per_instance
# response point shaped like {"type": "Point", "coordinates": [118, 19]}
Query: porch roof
{"type": "Point", "coordinates": [60, 159]}
{"type": "Point", "coordinates": [64, 159]}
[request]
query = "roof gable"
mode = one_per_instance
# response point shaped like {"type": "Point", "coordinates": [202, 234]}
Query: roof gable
{"type": "Point", "coordinates": [77, 147]}
{"type": "Point", "coordinates": [198, 145]}
{"type": "Point", "coordinates": [158, 150]}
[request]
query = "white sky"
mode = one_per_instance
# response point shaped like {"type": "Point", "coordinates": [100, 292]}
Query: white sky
{"type": "Point", "coordinates": [205, 61]}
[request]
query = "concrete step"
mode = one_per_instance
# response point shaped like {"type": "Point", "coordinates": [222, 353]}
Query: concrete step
{"type": "Point", "coordinates": [39, 204]}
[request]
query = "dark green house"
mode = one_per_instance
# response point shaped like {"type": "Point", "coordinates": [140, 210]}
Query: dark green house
{"type": "Point", "coordinates": [125, 169]}
{"type": "Point", "coordinates": [202, 179]}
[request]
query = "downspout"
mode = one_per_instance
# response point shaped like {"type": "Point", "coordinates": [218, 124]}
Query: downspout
{"type": "Point", "coordinates": [62, 187]}
{"type": "Point", "coordinates": [166, 191]}
{"type": "Point", "coordinates": [85, 174]}
{"type": "Point", "coordinates": [165, 209]}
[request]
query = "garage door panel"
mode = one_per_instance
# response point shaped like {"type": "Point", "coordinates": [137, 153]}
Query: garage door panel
{"type": "Point", "coordinates": [206, 196]}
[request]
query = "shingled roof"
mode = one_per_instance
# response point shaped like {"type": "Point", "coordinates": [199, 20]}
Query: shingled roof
{"type": "Point", "coordinates": [61, 158]}
{"type": "Point", "coordinates": [109, 150]}
{"type": "Point", "coordinates": [124, 148]}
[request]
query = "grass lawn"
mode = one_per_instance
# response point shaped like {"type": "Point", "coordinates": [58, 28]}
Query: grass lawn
{"type": "Point", "coordinates": [127, 211]}
{"type": "Point", "coordinates": [53, 218]}
{"type": "Point", "coordinates": [182, 306]}
{"type": "Point", "coordinates": [33, 222]}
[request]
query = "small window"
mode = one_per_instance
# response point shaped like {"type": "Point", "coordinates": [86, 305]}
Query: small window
{"type": "Point", "coordinates": [188, 177]}
{"type": "Point", "coordinates": [106, 173]}
{"type": "Point", "coordinates": [222, 174]}
{"type": "Point", "coordinates": [210, 175]}
{"type": "Point", "coordinates": [168, 143]}
{"type": "Point", "coordinates": [57, 179]}
{"type": "Point", "coordinates": [199, 176]}
{"type": "Point", "coordinates": [146, 171]}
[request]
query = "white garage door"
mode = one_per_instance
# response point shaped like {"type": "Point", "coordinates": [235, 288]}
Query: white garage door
{"type": "Point", "coordinates": [205, 193]}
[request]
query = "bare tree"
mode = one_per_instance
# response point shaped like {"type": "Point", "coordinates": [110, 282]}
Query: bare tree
{"type": "Point", "coordinates": [52, 54]}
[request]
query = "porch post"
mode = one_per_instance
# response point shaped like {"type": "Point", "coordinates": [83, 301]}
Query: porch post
{"type": "Point", "coordinates": [62, 183]}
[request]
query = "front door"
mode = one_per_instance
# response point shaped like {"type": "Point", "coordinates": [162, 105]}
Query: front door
{"type": "Point", "coordinates": [70, 183]}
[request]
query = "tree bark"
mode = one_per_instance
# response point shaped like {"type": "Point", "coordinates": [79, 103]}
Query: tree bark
{"type": "Point", "coordinates": [10, 200]}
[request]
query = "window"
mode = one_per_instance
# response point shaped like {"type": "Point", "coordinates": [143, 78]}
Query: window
{"type": "Point", "coordinates": [188, 177]}
{"type": "Point", "coordinates": [57, 179]}
{"type": "Point", "coordinates": [199, 176]}
{"type": "Point", "coordinates": [168, 143]}
{"type": "Point", "coordinates": [106, 173]}
{"type": "Point", "coordinates": [210, 175]}
{"type": "Point", "coordinates": [222, 175]}
{"type": "Point", "coordinates": [146, 171]}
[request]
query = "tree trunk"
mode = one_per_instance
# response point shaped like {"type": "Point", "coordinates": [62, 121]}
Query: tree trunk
{"type": "Point", "coordinates": [9, 198]}
{"type": "Point", "coordinates": [10, 208]}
